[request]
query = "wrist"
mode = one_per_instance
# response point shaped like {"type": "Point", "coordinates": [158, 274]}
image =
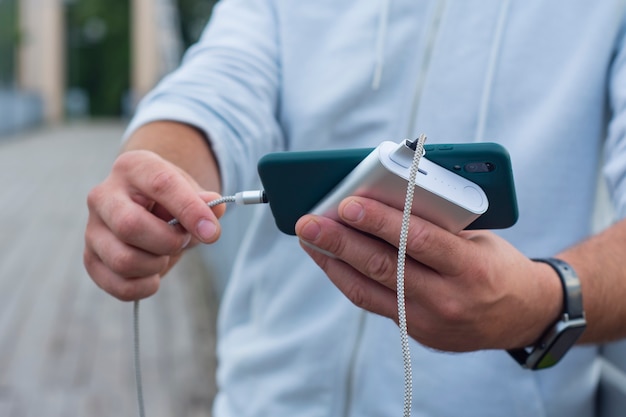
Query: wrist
{"type": "Point", "coordinates": [544, 304]}
{"type": "Point", "coordinates": [549, 305]}
{"type": "Point", "coordinates": [561, 335]}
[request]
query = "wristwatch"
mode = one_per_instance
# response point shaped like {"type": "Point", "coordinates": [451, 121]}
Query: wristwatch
{"type": "Point", "coordinates": [562, 335]}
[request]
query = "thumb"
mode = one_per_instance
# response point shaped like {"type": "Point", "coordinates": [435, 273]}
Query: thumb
{"type": "Point", "coordinates": [208, 197]}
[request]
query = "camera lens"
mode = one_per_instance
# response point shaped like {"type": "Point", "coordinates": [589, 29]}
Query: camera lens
{"type": "Point", "coordinates": [471, 167]}
{"type": "Point", "coordinates": [479, 167]}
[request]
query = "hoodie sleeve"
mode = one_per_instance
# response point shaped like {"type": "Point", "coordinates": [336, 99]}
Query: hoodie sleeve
{"type": "Point", "coordinates": [227, 86]}
{"type": "Point", "coordinates": [615, 149]}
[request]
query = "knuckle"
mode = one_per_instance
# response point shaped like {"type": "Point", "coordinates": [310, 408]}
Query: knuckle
{"type": "Point", "coordinates": [378, 224]}
{"type": "Point", "coordinates": [481, 269]}
{"type": "Point", "coordinates": [94, 197]}
{"type": "Point", "coordinates": [334, 244]}
{"type": "Point", "coordinates": [418, 238]}
{"type": "Point", "coordinates": [126, 225]}
{"type": "Point", "coordinates": [128, 290]}
{"type": "Point", "coordinates": [452, 311]}
{"type": "Point", "coordinates": [380, 266]}
{"type": "Point", "coordinates": [119, 287]}
{"type": "Point", "coordinates": [122, 263]}
{"type": "Point", "coordinates": [125, 161]}
{"type": "Point", "coordinates": [89, 261]}
{"type": "Point", "coordinates": [359, 296]}
{"type": "Point", "coordinates": [170, 245]}
{"type": "Point", "coordinates": [162, 182]}
{"type": "Point", "coordinates": [187, 208]}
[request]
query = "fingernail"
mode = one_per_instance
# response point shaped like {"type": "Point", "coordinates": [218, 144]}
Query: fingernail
{"type": "Point", "coordinates": [310, 231]}
{"type": "Point", "coordinates": [206, 229]}
{"type": "Point", "coordinates": [316, 249]}
{"type": "Point", "coordinates": [186, 242]}
{"type": "Point", "coordinates": [353, 211]}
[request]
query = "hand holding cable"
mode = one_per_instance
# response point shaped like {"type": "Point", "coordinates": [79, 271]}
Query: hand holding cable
{"type": "Point", "coordinates": [128, 244]}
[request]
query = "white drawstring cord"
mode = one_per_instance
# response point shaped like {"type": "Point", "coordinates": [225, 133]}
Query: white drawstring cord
{"type": "Point", "coordinates": [381, 37]}
{"type": "Point", "coordinates": [491, 70]}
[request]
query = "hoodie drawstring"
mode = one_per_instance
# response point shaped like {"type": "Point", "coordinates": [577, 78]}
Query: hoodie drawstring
{"type": "Point", "coordinates": [379, 57]}
{"type": "Point", "coordinates": [490, 74]}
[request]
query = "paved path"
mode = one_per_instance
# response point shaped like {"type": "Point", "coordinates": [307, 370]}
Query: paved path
{"type": "Point", "coordinates": [65, 346]}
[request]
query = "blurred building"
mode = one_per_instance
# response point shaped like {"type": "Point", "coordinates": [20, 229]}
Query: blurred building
{"type": "Point", "coordinates": [44, 76]}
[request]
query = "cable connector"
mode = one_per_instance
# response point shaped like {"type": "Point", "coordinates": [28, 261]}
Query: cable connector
{"type": "Point", "coordinates": [241, 198]}
{"type": "Point", "coordinates": [251, 197]}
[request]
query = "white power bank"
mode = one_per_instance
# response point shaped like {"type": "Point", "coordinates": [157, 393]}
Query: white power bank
{"type": "Point", "coordinates": [441, 196]}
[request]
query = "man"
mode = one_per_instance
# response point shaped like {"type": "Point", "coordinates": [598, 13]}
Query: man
{"type": "Point", "coordinates": [545, 81]}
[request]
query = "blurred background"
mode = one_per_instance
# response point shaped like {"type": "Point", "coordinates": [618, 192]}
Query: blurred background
{"type": "Point", "coordinates": [71, 73]}
{"type": "Point", "coordinates": [68, 59]}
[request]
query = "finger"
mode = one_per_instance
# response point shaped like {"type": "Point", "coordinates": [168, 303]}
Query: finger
{"type": "Point", "coordinates": [349, 258]}
{"type": "Point", "coordinates": [122, 259]}
{"type": "Point", "coordinates": [132, 224]}
{"type": "Point", "coordinates": [206, 196]}
{"type": "Point", "coordinates": [209, 196]}
{"type": "Point", "coordinates": [121, 288]}
{"type": "Point", "coordinates": [358, 288]}
{"type": "Point", "coordinates": [426, 242]}
{"type": "Point", "coordinates": [162, 182]}
{"type": "Point", "coordinates": [368, 255]}
{"type": "Point", "coordinates": [367, 287]}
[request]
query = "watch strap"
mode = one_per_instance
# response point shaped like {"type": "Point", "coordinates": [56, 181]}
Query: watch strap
{"type": "Point", "coordinates": [572, 294]}
{"type": "Point", "coordinates": [553, 344]}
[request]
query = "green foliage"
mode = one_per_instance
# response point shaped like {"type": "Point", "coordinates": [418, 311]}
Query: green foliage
{"type": "Point", "coordinates": [194, 15]}
{"type": "Point", "coordinates": [98, 59]}
{"type": "Point", "coordinates": [98, 46]}
{"type": "Point", "coordinates": [9, 37]}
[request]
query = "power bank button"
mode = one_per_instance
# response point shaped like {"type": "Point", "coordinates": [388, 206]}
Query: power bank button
{"type": "Point", "coordinates": [473, 198]}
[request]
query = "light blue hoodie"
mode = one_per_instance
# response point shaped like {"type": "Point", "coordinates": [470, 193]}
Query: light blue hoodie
{"type": "Point", "coordinates": [546, 79]}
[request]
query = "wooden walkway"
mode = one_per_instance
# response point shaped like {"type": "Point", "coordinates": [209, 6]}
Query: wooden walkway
{"type": "Point", "coordinates": [66, 346]}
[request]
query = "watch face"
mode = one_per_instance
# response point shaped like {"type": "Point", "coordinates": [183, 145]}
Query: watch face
{"type": "Point", "coordinates": [560, 342]}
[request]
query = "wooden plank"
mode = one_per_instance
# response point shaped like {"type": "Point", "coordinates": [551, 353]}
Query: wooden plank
{"type": "Point", "coordinates": [66, 346]}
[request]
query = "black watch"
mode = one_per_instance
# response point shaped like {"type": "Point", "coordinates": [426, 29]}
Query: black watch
{"type": "Point", "coordinates": [562, 335]}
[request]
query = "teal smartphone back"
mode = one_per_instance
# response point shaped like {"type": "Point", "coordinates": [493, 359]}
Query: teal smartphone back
{"type": "Point", "coordinates": [488, 165]}
{"type": "Point", "coordinates": [295, 181]}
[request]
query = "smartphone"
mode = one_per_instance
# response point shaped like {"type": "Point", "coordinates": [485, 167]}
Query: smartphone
{"type": "Point", "coordinates": [296, 182]}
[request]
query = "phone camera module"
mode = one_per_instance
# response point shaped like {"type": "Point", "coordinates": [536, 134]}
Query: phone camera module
{"type": "Point", "coordinates": [476, 167]}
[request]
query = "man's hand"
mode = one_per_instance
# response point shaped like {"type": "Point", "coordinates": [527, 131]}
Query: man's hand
{"type": "Point", "coordinates": [128, 244]}
{"type": "Point", "coordinates": [463, 292]}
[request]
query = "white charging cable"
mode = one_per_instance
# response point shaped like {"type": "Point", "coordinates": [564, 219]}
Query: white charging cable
{"type": "Point", "coordinates": [241, 198]}
{"type": "Point", "coordinates": [404, 231]}
{"type": "Point", "coordinates": [136, 357]}
{"type": "Point", "coordinates": [259, 197]}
